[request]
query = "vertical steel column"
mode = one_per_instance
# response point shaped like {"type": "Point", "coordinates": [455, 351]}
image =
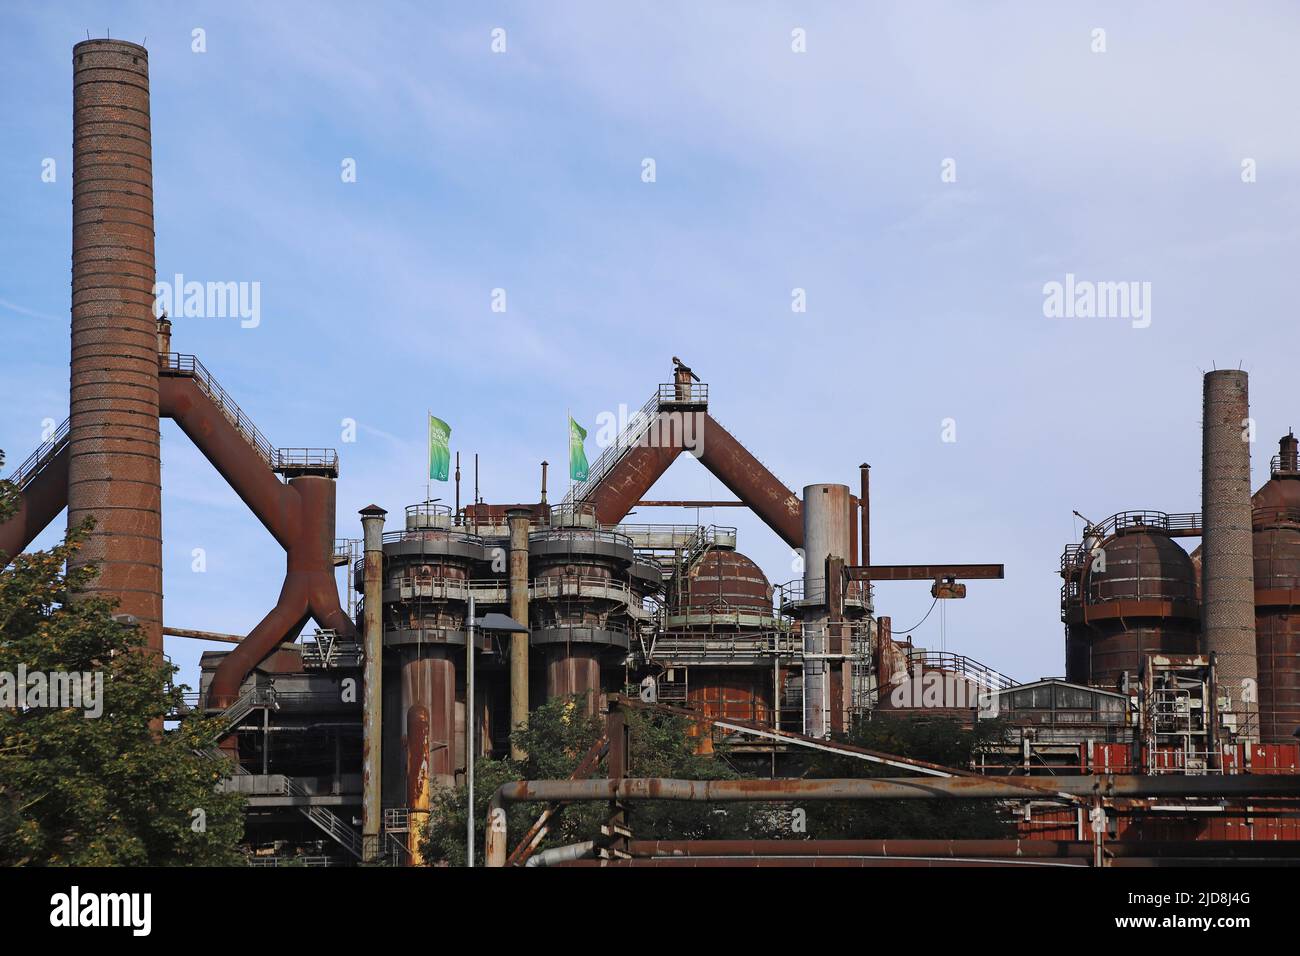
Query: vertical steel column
{"type": "Point", "coordinates": [864, 501]}
{"type": "Point", "coordinates": [1227, 550]}
{"type": "Point", "coordinates": [839, 683]}
{"type": "Point", "coordinates": [372, 523]}
{"type": "Point", "coordinates": [518, 521]}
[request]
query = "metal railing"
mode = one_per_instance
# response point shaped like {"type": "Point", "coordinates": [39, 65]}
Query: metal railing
{"type": "Point", "coordinates": [37, 459]}
{"type": "Point", "coordinates": [603, 535]}
{"type": "Point", "coordinates": [794, 592]}
{"type": "Point", "coordinates": [675, 537]}
{"type": "Point", "coordinates": [967, 667]}
{"type": "Point", "coordinates": [346, 550]}
{"type": "Point", "coordinates": [431, 534]}
{"type": "Point", "coordinates": [496, 590]}
{"type": "Point", "coordinates": [1279, 515]}
{"type": "Point", "coordinates": [327, 650]}
{"type": "Point", "coordinates": [674, 393]}
{"type": "Point", "coordinates": [339, 831]}
{"type": "Point", "coordinates": [284, 861]}
{"type": "Point", "coordinates": [245, 704]}
{"type": "Point", "coordinates": [428, 510]}
{"type": "Point", "coordinates": [1074, 556]}
{"type": "Point", "coordinates": [276, 458]}
{"type": "Point", "coordinates": [296, 459]}
{"type": "Point", "coordinates": [637, 425]}
{"type": "Point", "coordinates": [1276, 466]}
{"type": "Point", "coordinates": [687, 646]}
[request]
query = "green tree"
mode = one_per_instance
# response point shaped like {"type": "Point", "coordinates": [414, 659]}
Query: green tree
{"type": "Point", "coordinates": [107, 790]}
{"type": "Point", "coordinates": [932, 739]}
{"type": "Point", "coordinates": [558, 736]}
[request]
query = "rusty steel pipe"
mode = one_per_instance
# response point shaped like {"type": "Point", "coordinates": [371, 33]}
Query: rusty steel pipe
{"type": "Point", "coordinates": [883, 848]}
{"type": "Point", "coordinates": [114, 468]}
{"type": "Point", "coordinates": [309, 589]}
{"type": "Point", "coordinates": [618, 492]}
{"type": "Point", "coordinates": [750, 481]}
{"type": "Point", "coordinates": [822, 862]}
{"type": "Point", "coordinates": [1029, 849]}
{"type": "Point", "coordinates": [39, 503]}
{"type": "Point", "coordinates": [272, 501]}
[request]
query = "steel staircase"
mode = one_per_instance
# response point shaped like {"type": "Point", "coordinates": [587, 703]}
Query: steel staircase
{"type": "Point", "coordinates": [22, 475]}
{"type": "Point", "coordinates": [637, 426]}
{"type": "Point", "coordinates": [279, 460]}
{"type": "Point", "coordinates": [327, 821]}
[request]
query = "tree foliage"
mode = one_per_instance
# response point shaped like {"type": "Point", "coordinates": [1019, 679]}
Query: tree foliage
{"type": "Point", "coordinates": [935, 740]}
{"type": "Point", "coordinates": [558, 736]}
{"type": "Point", "coordinates": [107, 790]}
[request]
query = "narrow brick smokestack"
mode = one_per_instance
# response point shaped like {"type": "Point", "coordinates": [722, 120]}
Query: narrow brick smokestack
{"type": "Point", "coordinates": [113, 467]}
{"type": "Point", "coordinates": [1227, 557]}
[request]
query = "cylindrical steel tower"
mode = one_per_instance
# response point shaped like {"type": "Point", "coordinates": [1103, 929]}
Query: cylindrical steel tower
{"type": "Point", "coordinates": [113, 465]}
{"type": "Point", "coordinates": [1277, 597]}
{"type": "Point", "coordinates": [1140, 600]}
{"type": "Point", "coordinates": [826, 519]}
{"type": "Point", "coordinates": [1227, 559]}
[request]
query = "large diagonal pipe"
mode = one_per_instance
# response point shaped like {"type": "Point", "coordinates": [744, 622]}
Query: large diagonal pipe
{"type": "Point", "coordinates": [39, 503]}
{"type": "Point", "coordinates": [619, 491]}
{"type": "Point", "coordinates": [299, 514]}
{"type": "Point", "coordinates": [750, 481]}
{"type": "Point", "coordinates": [731, 463]}
{"type": "Point", "coordinates": [309, 591]}
{"type": "Point", "coordinates": [273, 502]}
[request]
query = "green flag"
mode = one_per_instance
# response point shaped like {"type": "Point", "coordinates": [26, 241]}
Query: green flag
{"type": "Point", "coordinates": [439, 448]}
{"type": "Point", "coordinates": [577, 454]}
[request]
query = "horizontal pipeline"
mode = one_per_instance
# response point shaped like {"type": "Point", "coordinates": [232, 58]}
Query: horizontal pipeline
{"type": "Point", "coordinates": [895, 788]}
{"type": "Point", "coordinates": [1032, 849]}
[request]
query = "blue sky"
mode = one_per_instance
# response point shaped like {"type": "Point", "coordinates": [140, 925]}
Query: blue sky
{"type": "Point", "coordinates": [775, 170]}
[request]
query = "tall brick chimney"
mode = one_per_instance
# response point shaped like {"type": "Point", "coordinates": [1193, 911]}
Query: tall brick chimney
{"type": "Point", "coordinates": [114, 467]}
